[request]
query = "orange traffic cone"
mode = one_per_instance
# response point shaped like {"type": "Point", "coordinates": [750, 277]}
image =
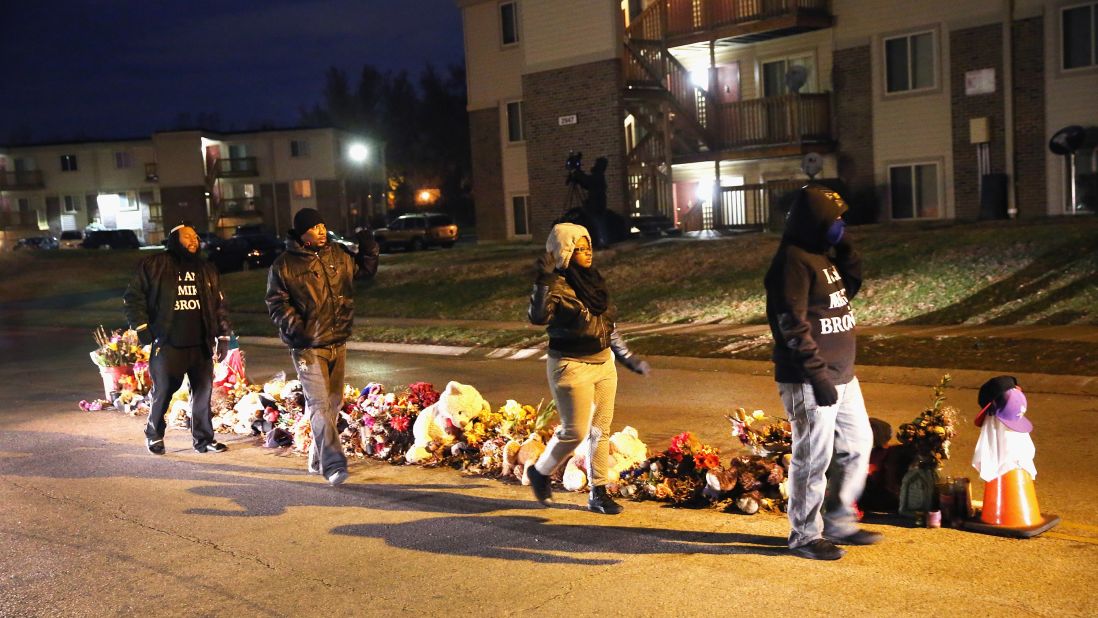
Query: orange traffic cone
{"type": "Point", "coordinates": [1010, 508]}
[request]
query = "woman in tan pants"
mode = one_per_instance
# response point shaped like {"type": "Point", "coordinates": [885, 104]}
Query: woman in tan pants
{"type": "Point", "coordinates": [571, 299]}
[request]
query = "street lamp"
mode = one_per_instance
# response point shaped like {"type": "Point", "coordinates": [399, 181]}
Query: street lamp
{"type": "Point", "coordinates": [358, 153]}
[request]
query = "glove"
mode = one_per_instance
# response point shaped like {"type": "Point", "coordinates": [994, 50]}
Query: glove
{"type": "Point", "coordinates": [145, 336]}
{"type": "Point", "coordinates": [642, 367]}
{"type": "Point", "coordinates": [366, 240]}
{"type": "Point", "coordinates": [546, 267]}
{"type": "Point", "coordinates": [824, 391]}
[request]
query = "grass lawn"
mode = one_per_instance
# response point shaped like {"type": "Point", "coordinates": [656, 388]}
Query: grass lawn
{"type": "Point", "coordinates": [1026, 272]}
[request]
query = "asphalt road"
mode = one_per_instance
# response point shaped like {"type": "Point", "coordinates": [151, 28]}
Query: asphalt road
{"type": "Point", "coordinates": [91, 524]}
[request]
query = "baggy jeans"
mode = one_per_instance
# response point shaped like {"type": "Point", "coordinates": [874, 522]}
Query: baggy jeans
{"type": "Point", "coordinates": [320, 371]}
{"type": "Point", "coordinates": [584, 394]}
{"type": "Point", "coordinates": [167, 367]}
{"type": "Point", "coordinates": [831, 447]}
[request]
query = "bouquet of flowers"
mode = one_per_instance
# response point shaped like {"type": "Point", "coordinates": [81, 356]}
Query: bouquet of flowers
{"type": "Point", "coordinates": [765, 436]}
{"type": "Point", "coordinates": [118, 349]}
{"type": "Point", "coordinates": [676, 475]}
{"type": "Point", "coordinates": [386, 419]}
{"type": "Point", "coordinates": [482, 446]}
{"type": "Point", "coordinates": [932, 430]}
{"type": "Point", "coordinates": [747, 484]}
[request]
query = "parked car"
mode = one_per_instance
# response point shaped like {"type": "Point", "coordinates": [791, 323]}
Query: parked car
{"type": "Point", "coordinates": [417, 231]}
{"type": "Point", "coordinates": [111, 239]}
{"type": "Point", "coordinates": [36, 243]}
{"type": "Point", "coordinates": [246, 252]}
{"type": "Point", "coordinates": [208, 240]}
{"type": "Point", "coordinates": [71, 239]}
{"type": "Point", "coordinates": [250, 229]}
{"type": "Point", "coordinates": [339, 240]}
{"type": "Point", "coordinates": [652, 226]}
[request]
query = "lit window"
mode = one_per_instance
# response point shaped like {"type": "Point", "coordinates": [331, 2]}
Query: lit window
{"type": "Point", "coordinates": [1079, 36]}
{"type": "Point", "coordinates": [521, 216]}
{"type": "Point", "coordinates": [508, 23]}
{"type": "Point", "coordinates": [72, 203]}
{"type": "Point", "coordinates": [303, 188]}
{"type": "Point", "coordinates": [68, 163]}
{"type": "Point", "coordinates": [123, 160]}
{"type": "Point", "coordinates": [909, 62]}
{"type": "Point", "coordinates": [299, 148]}
{"type": "Point", "coordinates": [914, 191]}
{"type": "Point", "coordinates": [514, 122]}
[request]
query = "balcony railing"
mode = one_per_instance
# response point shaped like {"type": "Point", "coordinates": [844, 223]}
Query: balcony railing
{"type": "Point", "coordinates": [786, 119]}
{"type": "Point", "coordinates": [14, 181]}
{"type": "Point", "coordinates": [671, 19]}
{"type": "Point", "coordinates": [240, 206]}
{"type": "Point", "coordinates": [236, 167]}
{"type": "Point", "coordinates": [15, 219]}
{"type": "Point", "coordinates": [751, 205]}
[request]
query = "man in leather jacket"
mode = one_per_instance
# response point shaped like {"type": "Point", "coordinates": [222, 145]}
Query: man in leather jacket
{"type": "Point", "coordinates": [310, 297]}
{"type": "Point", "coordinates": [175, 303]}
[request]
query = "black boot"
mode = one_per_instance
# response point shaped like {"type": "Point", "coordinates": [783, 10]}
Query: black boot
{"type": "Point", "coordinates": [601, 502]}
{"type": "Point", "coordinates": [540, 483]}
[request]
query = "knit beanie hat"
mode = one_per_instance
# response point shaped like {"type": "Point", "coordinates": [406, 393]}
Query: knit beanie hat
{"type": "Point", "coordinates": [306, 219]}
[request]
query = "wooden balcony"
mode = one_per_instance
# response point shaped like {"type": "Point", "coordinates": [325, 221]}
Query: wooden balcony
{"type": "Point", "coordinates": [787, 125]}
{"type": "Point", "coordinates": [682, 22]}
{"type": "Point", "coordinates": [240, 167]}
{"type": "Point", "coordinates": [21, 181]}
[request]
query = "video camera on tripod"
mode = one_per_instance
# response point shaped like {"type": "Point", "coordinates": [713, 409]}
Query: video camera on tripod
{"type": "Point", "coordinates": [574, 163]}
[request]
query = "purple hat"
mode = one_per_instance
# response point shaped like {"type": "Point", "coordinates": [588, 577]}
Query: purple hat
{"type": "Point", "coordinates": [1010, 410]}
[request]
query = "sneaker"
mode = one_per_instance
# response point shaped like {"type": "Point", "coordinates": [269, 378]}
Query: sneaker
{"type": "Point", "coordinates": [212, 447]}
{"type": "Point", "coordinates": [601, 502]}
{"type": "Point", "coordinates": [156, 447]}
{"type": "Point", "coordinates": [820, 549]}
{"type": "Point", "coordinates": [313, 465]}
{"type": "Point", "coordinates": [539, 482]}
{"type": "Point", "coordinates": [337, 477]}
{"type": "Point", "coordinates": [858, 537]}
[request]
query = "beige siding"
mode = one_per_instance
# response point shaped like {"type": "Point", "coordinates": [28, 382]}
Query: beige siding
{"type": "Point", "coordinates": [857, 21]}
{"type": "Point", "coordinates": [817, 44]}
{"type": "Point", "coordinates": [1069, 99]}
{"type": "Point", "coordinates": [560, 33]}
{"type": "Point", "coordinates": [493, 72]}
{"type": "Point", "coordinates": [180, 159]}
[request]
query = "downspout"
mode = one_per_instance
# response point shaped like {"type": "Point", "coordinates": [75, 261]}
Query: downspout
{"type": "Point", "coordinates": [1008, 104]}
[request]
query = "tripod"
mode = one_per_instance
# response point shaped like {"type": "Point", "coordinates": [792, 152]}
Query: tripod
{"type": "Point", "coordinates": [576, 197]}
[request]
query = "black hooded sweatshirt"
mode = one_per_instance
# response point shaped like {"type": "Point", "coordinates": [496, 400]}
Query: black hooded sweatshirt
{"type": "Point", "coordinates": [808, 289]}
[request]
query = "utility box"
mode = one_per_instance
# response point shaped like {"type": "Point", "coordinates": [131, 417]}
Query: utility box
{"type": "Point", "coordinates": [979, 130]}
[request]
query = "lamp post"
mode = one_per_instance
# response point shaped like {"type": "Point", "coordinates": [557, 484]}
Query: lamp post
{"type": "Point", "coordinates": [358, 153]}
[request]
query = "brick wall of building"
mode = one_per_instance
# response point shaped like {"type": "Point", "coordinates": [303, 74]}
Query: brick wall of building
{"type": "Point", "coordinates": [972, 49]}
{"type": "Point", "coordinates": [184, 204]}
{"type": "Point", "coordinates": [852, 81]}
{"type": "Point", "coordinates": [484, 138]}
{"type": "Point", "coordinates": [593, 93]}
{"type": "Point", "coordinates": [1029, 117]}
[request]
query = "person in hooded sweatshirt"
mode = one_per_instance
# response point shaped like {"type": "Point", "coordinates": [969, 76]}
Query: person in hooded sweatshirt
{"type": "Point", "coordinates": [310, 298]}
{"type": "Point", "coordinates": [571, 299]}
{"type": "Point", "coordinates": [812, 278]}
{"type": "Point", "coordinates": [175, 303]}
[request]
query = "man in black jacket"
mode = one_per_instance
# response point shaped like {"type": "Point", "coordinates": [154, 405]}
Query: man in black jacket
{"type": "Point", "coordinates": [175, 303]}
{"type": "Point", "coordinates": [811, 280]}
{"type": "Point", "coordinates": [310, 297]}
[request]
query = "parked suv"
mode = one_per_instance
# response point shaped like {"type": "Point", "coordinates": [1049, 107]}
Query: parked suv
{"type": "Point", "coordinates": [111, 239]}
{"type": "Point", "coordinates": [40, 243]}
{"type": "Point", "coordinates": [244, 252]}
{"type": "Point", "coordinates": [418, 231]}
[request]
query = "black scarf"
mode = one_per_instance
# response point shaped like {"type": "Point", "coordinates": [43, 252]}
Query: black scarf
{"type": "Point", "coordinates": [589, 287]}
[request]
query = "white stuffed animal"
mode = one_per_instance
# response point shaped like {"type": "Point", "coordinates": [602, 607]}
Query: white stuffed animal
{"type": "Point", "coordinates": [246, 411]}
{"type": "Point", "coordinates": [626, 451]}
{"type": "Point", "coordinates": [456, 406]}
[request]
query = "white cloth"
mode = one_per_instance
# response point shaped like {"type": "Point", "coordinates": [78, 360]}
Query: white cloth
{"type": "Point", "coordinates": [562, 242]}
{"type": "Point", "coordinates": [1000, 450]}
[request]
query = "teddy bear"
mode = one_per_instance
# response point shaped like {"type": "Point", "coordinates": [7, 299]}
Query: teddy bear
{"type": "Point", "coordinates": [246, 411]}
{"type": "Point", "coordinates": [436, 424]}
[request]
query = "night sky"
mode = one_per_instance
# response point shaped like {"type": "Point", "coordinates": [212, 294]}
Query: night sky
{"type": "Point", "coordinates": [125, 68]}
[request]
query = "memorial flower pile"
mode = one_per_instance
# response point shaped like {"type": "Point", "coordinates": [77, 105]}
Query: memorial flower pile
{"type": "Point", "coordinates": [764, 435]}
{"type": "Point", "coordinates": [932, 431]}
{"type": "Point", "coordinates": [119, 348]}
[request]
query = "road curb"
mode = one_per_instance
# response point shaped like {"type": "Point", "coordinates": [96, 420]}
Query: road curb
{"type": "Point", "coordinates": [880, 374]}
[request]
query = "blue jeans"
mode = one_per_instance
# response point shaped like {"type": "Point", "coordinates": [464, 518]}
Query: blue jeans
{"type": "Point", "coordinates": [831, 447]}
{"type": "Point", "coordinates": [320, 371]}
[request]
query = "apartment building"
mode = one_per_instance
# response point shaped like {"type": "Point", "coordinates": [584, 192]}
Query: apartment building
{"type": "Point", "coordinates": [709, 110]}
{"type": "Point", "coordinates": [215, 180]}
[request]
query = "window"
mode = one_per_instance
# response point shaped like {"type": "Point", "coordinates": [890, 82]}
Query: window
{"type": "Point", "coordinates": [508, 23]}
{"type": "Point", "coordinates": [155, 213]}
{"type": "Point", "coordinates": [128, 201]}
{"type": "Point", "coordinates": [303, 188]}
{"type": "Point", "coordinates": [72, 203]}
{"type": "Point", "coordinates": [1079, 34]}
{"type": "Point", "coordinates": [914, 191]}
{"type": "Point", "coordinates": [521, 217]}
{"type": "Point", "coordinates": [123, 160]}
{"type": "Point", "coordinates": [514, 122]}
{"type": "Point", "coordinates": [299, 148]}
{"type": "Point", "coordinates": [774, 72]}
{"type": "Point", "coordinates": [68, 163]}
{"type": "Point", "coordinates": [910, 63]}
